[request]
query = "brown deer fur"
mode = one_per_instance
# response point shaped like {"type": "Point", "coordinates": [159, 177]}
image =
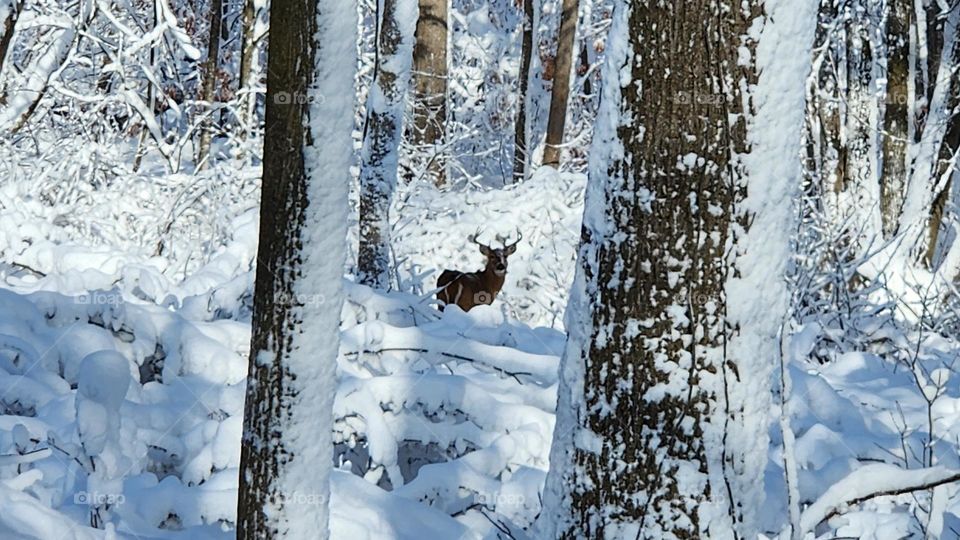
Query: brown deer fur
{"type": "Point", "coordinates": [467, 289]}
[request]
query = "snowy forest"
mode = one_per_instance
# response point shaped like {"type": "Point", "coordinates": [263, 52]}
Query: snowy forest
{"type": "Point", "coordinates": [479, 269]}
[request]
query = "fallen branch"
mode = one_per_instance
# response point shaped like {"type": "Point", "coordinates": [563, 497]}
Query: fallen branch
{"type": "Point", "coordinates": [870, 481]}
{"type": "Point", "coordinates": [515, 374]}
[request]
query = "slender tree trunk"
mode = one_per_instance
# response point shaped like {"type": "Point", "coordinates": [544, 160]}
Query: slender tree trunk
{"type": "Point", "coordinates": [287, 450]}
{"type": "Point", "coordinates": [895, 117]}
{"type": "Point", "coordinates": [560, 94]}
{"type": "Point", "coordinates": [9, 28]}
{"type": "Point", "coordinates": [430, 83]}
{"type": "Point", "coordinates": [521, 143]}
{"type": "Point", "coordinates": [248, 51]}
{"type": "Point", "coordinates": [860, 141]}
{"type": "Point", "coordinates": [208, 92]}
{"type": "Point", "coordinates": [381, 141]}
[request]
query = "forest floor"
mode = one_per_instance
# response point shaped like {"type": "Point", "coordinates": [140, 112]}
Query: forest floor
{"type": "Point", "coordinates": [444, 421]}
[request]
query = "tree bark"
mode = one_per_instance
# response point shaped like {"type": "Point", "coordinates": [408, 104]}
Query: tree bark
{"type": "Point", "coordinates": [860, 143]}
{"type": "Point", "coordinates": [662, 378]}
{"type": "Point", "coordinates": [895, 120]}
{"type": "Point", "coordinates": [208, 91]}
{"type": "Point", "coordinates": [9, 28]}
{"type": "Point", "coordinates": [381, 141]}
{"type": "Point", "coordinates": [430, 83]}
{"type": "Point", "coordinates": [248, 52]}
{"type": "Point", "coordinates": [287, 450]}
{"type": "Point", "coordinates": [560, 93]}
{"type": "Point", "coordinates": [520, 158]}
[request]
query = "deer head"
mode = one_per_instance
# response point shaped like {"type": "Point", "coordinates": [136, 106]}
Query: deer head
{"type": "Point", "coordinates": [497, 258]}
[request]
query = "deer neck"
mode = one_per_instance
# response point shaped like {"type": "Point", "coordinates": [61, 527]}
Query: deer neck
{"type": "Point", "coordinates": [491, 280]}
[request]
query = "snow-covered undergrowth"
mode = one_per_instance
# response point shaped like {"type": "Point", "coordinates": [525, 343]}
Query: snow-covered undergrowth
{"type": "Point", "coordinates": [122, 385]}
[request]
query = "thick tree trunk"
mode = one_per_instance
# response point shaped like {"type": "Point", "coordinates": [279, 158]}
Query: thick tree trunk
{"type": "Point", "coordinates": [381, 141]}
{"type": "Point", "coordinates": [560, 94]}
{"type": "Point", "coordinates": [895, 117]}
{"type": "Point", "coordinates": [520, 158]}
{"type": "Point", "coordinates": [664, 384]}
{"type": "Point", "coordinates": [287, 450]}
{"type": "Point", "coordinates": [430, 83]}
{"type": "Point", "coordinates": [208, 91]}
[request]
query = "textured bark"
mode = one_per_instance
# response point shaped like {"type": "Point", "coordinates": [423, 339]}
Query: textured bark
{"type": "Point", "coordinates": [895, 121]}
{"type": "Point", "coordinates": [287, 448]}
{"type": "Point", "coordinates": [208, 91]}
{"type": "Point", "coordinates": [560, 93]}
{"type": "Point", "coordinates": [430, 82]}
{"type": "Point", "coordinates": [9, 27]}
{"type": "Point", "coordinates": [653, 265]}
{"type": "Point", "coordinates": [381, 141]}
{"type": "Point", "coordinates": [248, 50]}
{"type": "Point", "coordinates": [863, 192]}
{"type": "Point", "coordinates": [523, 79]}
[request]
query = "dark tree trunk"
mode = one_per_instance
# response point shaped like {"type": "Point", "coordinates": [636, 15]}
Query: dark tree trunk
{"type": "Point", "coordinates": [520, 158]}
{"type": "Point", "coordinates": [9, 27]}
{"type": "Point", "coordinates": [430, 83]}
{"type": "Point", "coordinates": [208, 91]}
{"type": "Point", "coordinates": [560, 94]}
{"type": "Point", "coordinates": [895, 117]}
{"type": "Point", "coordinates": [654, 266]}
{"type": "Point", "coordinates": [287, 448]}
{"type": "Point", "coordinates": [381, 141]}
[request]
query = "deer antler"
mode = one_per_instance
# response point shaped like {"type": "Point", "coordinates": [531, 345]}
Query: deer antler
{"type": "Point", "coordinates": [519, 238]}
{"type": "Point", "coordinates": [473, 238]}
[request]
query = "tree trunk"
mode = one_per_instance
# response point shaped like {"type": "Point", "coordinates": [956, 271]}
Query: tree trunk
{"type": "Point", "coordinates": [895, 117]}
{"type": "Point", "coordinates": [430, 83]}
{"type": "Point", "coordinates": [520, 159]}
{"type": "Point", "coordinates": [560, 94]}
{"type": "Point", "coordinates": [659, 368]}
{"type": "Point", "coordinates": [287, 449]}
{"type": "Point", "coordinates": [381, 141]}
{"type": "Point", "coordinates": [9, 28]}
{"type": "Point", "coordinates": [208, 91]}
{"type": "Point", "coordinates": [248, 52]}
{"type": "Point", "coordinates": [862, 185]}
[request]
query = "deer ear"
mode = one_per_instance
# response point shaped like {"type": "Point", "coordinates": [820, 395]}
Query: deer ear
{"type": "Point", "coordinates": [510, 249]}
{"type": "Point", "coordinates": [485, 250]}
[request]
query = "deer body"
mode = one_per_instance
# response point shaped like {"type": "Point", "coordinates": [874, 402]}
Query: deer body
{"type": "Point", "coordinates": [468, 289]}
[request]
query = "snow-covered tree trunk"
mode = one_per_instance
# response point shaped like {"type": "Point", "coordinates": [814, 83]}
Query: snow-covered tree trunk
{"type": "Point", "coordinates": [287, 450]}
{"type": "Point", "coordinates": [9, 11]}
{"type": "Point", "coordinates": [430, 82]}
{"type": "Point", "coordinates": [208, 90]}
{"type": "Point", "coordinates": [560, 93]}
{"type": "Point", "coordinates": [862, 197]}
{"type": "Point", "coordinates": [664, 396]}
{"type": "Point", "coordinates": [895, 116]}
{"type": "Point", "coordinates": [381, 140]}
{"type": "Point", "coordinates": [521, 142]}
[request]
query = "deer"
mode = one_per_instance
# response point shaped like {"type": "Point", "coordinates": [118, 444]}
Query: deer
{"type": "Point", "coordinates": [469, 289]}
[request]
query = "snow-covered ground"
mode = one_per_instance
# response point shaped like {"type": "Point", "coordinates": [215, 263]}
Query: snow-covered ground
{"type": "Point", "coordinates": [122, 384]}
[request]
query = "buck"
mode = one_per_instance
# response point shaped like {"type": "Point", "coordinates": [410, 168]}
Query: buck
{"type": "Point", "coordinates": [467, 289]}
